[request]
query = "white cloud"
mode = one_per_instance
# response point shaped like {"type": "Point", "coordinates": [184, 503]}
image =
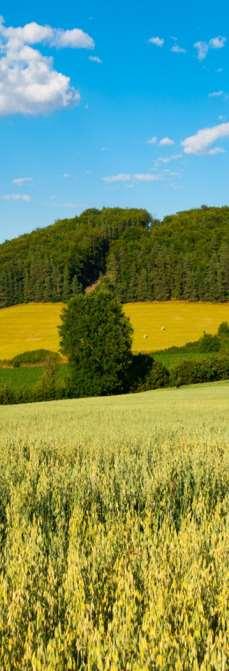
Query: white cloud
{"type": "Point", "coordinates": [24, 197]}
{"type": "Point", "coordinates": [67, 175]}
{"type": "Point", "coordinates": [152, 140]}
{"type": "Point", "coordinates": [176, 49]}
{"type": "Point", "coordinates": [203, 47]}
{"type": "Point", "coordinates": [204, 138]}
{"type": "Point", "coordinates": [146, 177]}
{"type": "Point", "coordinates": [216, 94]}
{"type": "Point", "coordinates": [20, 181]}
{"type": "Point", "coordinates": [95, 59]}
{"type": "Point", "coordinates": [73, 39]}
{"type": "Point", "coordinates": [217, 42]}
{"type": "Point", "coordinates": [166, 142]}
{"type": "Point", "coordinates": [157, 41]}
{"type": "Point", "coordinates": [128, 177]}
{"type": "Point", "coordinates": [120, 177]}
{"type": "Point", "coordinates": [34, 33]}
{"type": "Point", "coordinates": [202, 50]}
{"type": "Point", "coordinates": [169, 159]}
{"type": "Point", "coordinates": [216, 150]}
{"type": "Point", "coordinates": [29, 84]}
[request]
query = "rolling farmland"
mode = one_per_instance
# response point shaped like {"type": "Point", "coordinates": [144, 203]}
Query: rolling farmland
{"type": "Point", "coordinates": [156, 325]}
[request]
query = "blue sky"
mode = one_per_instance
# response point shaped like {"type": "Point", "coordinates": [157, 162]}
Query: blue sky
{"type": "Point", "coordinates": [111, 103]}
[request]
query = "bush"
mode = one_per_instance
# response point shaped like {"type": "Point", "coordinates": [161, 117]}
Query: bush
{"type": "Point", "coordinates": [37, 356]}
{"type": "Point", "coordinates": [208, 370]}
{"type": "Point", "coordinates": [209, 343]}
{"type": "Point", "coordinates": [223, 329]}
{"type": "Point", "coordinates": [157, 377]}
{"type": "Point", "coordinates": [139, 368]}
{"type": "Point", "coordinates": [7, 395]}
{"type": "Point", "coordinates": [145, 373]}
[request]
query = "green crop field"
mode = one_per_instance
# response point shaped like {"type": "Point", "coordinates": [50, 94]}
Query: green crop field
{"type": "Point", "coordinates": [156, 325]}
{"type": "Point", "coordinates": [114, 533]}
{"type": "Point", "coordinates": [17, 378]}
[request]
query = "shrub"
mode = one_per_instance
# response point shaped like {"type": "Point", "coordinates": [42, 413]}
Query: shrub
{"type": "Point", "coordinates": [7, 395]}
{"type": "Point", "coordinates": [145, 373]}
{"type": "Point", "coordinates": [158, 376]}
{"type": "Point", "coordinates": [209, 343]}
{"type": "Point", "coordinates": [139, 368]}
{"type": "Point", "coordinates": [208, 370]}
{"type": "Point", "coordinates": [37, 356]}
{"type": "Point", "coordinates": [223, 329]}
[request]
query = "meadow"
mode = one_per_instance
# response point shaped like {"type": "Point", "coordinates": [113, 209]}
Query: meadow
{"type": "Point", "coordinates": [157, 326]}
{"type": "Point", "coordinates": [114, 533]}
{"type": "Point", "coordinates": [18, 378]}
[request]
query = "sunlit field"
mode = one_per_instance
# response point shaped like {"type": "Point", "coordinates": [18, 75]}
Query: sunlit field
{"type": "Point", "coordinates": [156, 325]}
{"type": "Point", "coordinates": [29, 326]}
{"type": "Point", "coordinates": [114, 532]}
{"type": "Point", "coordinates": [161, 325]}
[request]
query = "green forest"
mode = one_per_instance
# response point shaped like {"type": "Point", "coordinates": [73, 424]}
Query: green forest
{"type": "Point", "coordinates": [184, 256]}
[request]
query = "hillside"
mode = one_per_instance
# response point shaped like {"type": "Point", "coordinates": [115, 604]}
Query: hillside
{"type": "Point", "coordinates": [156, 325]}
{"type": "Point", "coordinates": [186, 256]}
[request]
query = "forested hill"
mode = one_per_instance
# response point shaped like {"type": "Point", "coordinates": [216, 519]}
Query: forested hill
{"type": "Point", "coordinates": [185, 256]}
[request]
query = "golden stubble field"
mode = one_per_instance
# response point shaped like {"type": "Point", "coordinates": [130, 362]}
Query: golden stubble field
{"type": "Point", "coordinates": [156, 325]}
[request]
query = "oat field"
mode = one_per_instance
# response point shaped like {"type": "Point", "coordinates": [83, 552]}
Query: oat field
{"type": "Point", "coordinates": [156, 325]}
{"type": "Point", "coordinates": [114, 533]}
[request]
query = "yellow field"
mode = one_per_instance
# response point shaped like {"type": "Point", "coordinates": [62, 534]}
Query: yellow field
{"type": "Point", "coordinates": [156, 325]}
{"type": "Point", "coordinates": [27, 327]}
{"type": "Point", "coordinates": [160, 325]}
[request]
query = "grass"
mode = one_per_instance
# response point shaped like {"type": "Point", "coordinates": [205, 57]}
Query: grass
{"type": "Point", "coordinates": [114, 533]}
{"type": "Point", "coordinates": [35, 326]}
{"type": "Point", "coordinates": [18, 378]}
{"type": "Point", "coordinates": [172, 359]}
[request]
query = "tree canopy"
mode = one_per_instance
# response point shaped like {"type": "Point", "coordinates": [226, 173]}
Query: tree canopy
{"type": "Point", "coordinates": [96, 337]}
{"type": "Point", "coordinates": [185, 256]}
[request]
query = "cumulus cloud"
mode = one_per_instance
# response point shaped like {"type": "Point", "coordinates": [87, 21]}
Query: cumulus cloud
{"type": "Point", "coordinates": [216, 94]}
{"type": "Point", "coordinates": [217, 42]}
{"type": "Point", "coordinates": [202, 48]}
{"type": "Point", "coordinates": [29, 83]}
{"type": "Point", "coordinates": [95, 59]}
{"type": "Point", "coordinates": [201, 142]}
{"type": "Point", "coordinates": [176, 49]}
{"type": "Point", "coordinates": [24, 197]}
{"type": "Point", "coordinates": [157, 41]}
{"type": "Point", "coordinates": [216, 150]}
{"type": "Point", "coordinates": [34, 33]}
{"type": "Point", "coordinates": [146, 177]}
{"type": "Point", "coordinates": [74, 39]}
{"type": "Point", "coordinates": [128, 177]}
{"type": "Point", "coordinates": [169, 159]}
{"type": "Point", "coordinates": [166, 142]}
{"type": "Point", "coordinates": [20, 181]}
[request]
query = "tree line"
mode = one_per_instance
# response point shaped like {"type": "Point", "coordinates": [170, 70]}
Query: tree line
{"type": "Point", "coordinates": [185, 256]}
